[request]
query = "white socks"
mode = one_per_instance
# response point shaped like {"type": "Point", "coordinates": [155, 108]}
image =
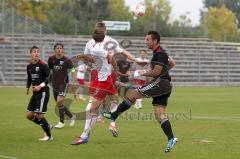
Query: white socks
{"type": "Point", "coordinates": [138, 103]}
{"type": "Point", "coordinates": [113, 108]}
{"type": "Point", "coordinates": [91, 118]}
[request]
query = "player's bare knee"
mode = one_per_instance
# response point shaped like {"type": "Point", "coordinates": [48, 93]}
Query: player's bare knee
{"type": "Point", "coordinates": [60, 100]}
{"type": "Point", "coordinates": [160, 117]}
{"type": "Point", "coordinates": [29, 115]}
{"type": "Point", "coordinates": [59, 103]}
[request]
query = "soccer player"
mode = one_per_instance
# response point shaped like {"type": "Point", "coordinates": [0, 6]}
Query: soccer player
{"type": "Point", "coordinates": [159, 88]}
{"type": "Point", "coordinates": [37, 76]}
{"type": "Point", "coordinates": [124, 68]}
{"type": "Point", "coordinates": [140, 80]}
{"type": "Point", "coordinates": [102, 78]}
{"type": "Point", "coordinates": [60, 65]}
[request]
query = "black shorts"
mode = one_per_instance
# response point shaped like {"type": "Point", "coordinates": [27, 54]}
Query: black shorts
{"type": "Point", "coordinates": [159, 89]}
{"type": "Point", "coordinates": [38, 102]}
{"type": "Point", "coordinates": [161, 100]}
{"type": "Point", "coordinates": [61, 90]}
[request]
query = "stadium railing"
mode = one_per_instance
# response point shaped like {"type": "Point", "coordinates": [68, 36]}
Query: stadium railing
{"type": "Point", "coordinates": [198, 61]}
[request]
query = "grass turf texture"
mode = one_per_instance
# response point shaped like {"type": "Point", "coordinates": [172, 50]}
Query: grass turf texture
{"type": "Point", "coordinates": [212, 132]}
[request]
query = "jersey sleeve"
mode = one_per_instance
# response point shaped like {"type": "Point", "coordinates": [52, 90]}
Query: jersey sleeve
{"type": "Point", "coordinates": [118, 48]}
{"type": "Point", "coordinates": [68, 64]}
{"type": "Point", "coordinates": [87, 49]}
{"type": "Point", "coordinates": [50, 65]}
{"type": "Point", "coordinates": [104, 53]}
{"type": "Point", "coordinates": [29, 79]}
{"type": "Point", "coordinates": [160, 59]}
{"type": "Point", "coordinates": [46, 72]}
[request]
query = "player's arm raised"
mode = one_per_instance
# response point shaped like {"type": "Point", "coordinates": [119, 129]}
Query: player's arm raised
{"type": "Point", "coordinates": [85, 58]}
{"type": "Point", "coordinates": [132, 58]}
{"type": "Point", "coordinates": [125, 52]}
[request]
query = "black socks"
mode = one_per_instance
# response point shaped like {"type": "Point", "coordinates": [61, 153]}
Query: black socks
{"type": "Point", "coordinates": [167, 129]}
{"type": "Point", "coordinates": [121, 108]}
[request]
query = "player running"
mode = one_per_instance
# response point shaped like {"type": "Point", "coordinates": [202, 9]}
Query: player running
{"type": "Point", "coordinates": [60, 65]}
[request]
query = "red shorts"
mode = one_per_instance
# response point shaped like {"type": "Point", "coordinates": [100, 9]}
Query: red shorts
{"type": "Point", "coordinates": [100, 89]}
{"type": "Point", "coordinates": [138, 82]}
{"type": "Point", "coordinates": [81, 82]}
{"type": "Point", "coordinates": [93, 82]}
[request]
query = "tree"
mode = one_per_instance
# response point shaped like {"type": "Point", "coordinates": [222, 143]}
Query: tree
{"type": "Point", "coordinates": [88, 12]}
{"type": "Point", "coordinates": [158, 13]}
{"type": "Point", "coordinates": [233, 5]}
{"type": "Point", "coordinates": [39, 9]}
{"type": "Point", "coordinates": [118, 11]}
{"type": "Point", "coordinates": [60, 19]}
{"type": "Point", "coordinates": [184, 24]}
{"type": "Point", "coordinates": [221, 24]}
{"type": "Point", "coordinates": [155, 18]}
{"type": "Point", "coordinates": [31, 8]}
{"type": "Point", "coordinates": [77, 16]}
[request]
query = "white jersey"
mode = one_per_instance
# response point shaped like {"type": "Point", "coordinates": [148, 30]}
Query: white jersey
{"type": "Point", "coordinates": [81, 70]}
{"type": "Point", "coordinates": [100, 52]}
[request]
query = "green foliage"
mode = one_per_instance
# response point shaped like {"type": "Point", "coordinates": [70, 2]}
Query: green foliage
{"type": "Point", "coordinates": [60, 19]}
{"type": "Point", "coordinates": [31, 8]}
{"type": "Point", "coordinates": [155, 18]}
{"type": "Point", "coordinates": [79, 16]}
{"type": "Point", "coordinates": [183, 28]}
{"type": "Point", "coordinates": [118, 11]}
{"type": "Point", "coordinates": [233, 5]}
{"type": "Point", "coordinates": [87, 13]}
{"type": "Point", "coordinates": [221, 24]}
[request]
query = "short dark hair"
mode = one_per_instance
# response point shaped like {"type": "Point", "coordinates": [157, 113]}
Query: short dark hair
{"type": "Point", "coordinates": [155, 35]}
{"type": "Point", "coordinates": [34, 47]}
{"type": "Point", "coordinates": [98, 35]}
{"type": "Point", "coordinates": [100, 25]}
{"type": "Point", "coordinates": [58, 44]}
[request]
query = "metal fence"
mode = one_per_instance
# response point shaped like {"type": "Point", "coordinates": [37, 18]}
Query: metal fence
{"type": "Point", "coordinates": [11, 23]}
{"type": "Point", "coordinates": [197, 62]}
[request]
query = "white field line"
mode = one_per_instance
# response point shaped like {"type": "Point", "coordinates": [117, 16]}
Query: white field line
{"type": "Point", "coordinates": [206, 141]}
{"type": "Point", "coordinates": [7, 157]}
{"type": "Point", "coordinates": [182, 118]}
{"type": "Point", "coordinates": [231, 118]}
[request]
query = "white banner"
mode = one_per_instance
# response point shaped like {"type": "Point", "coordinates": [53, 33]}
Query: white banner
{"type": "Point", "coordinates": [118, 25]}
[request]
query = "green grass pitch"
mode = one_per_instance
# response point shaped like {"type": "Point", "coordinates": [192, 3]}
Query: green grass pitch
{"type": "Point", "coordinates": [206, 121]}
